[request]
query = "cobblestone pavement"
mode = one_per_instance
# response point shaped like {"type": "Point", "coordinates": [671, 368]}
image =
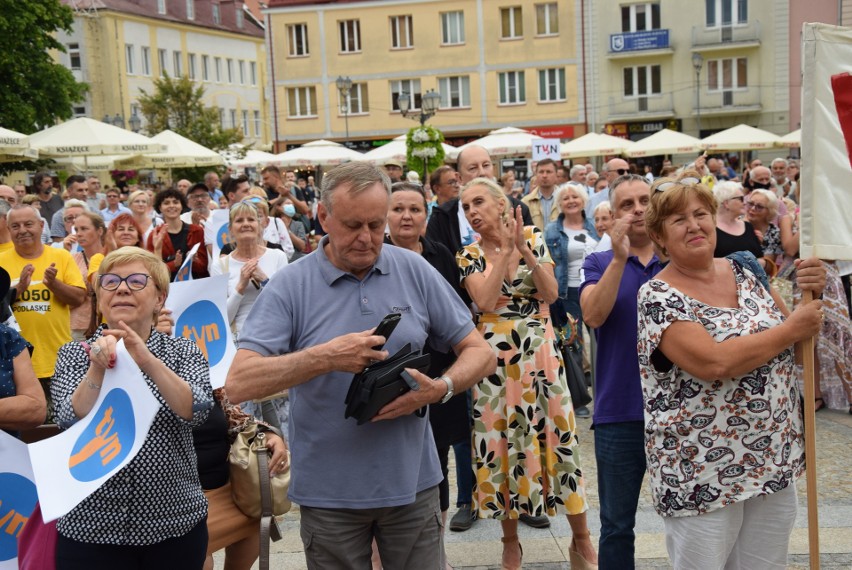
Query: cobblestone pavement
{"type": "Point", "coordinates": [547, 549]}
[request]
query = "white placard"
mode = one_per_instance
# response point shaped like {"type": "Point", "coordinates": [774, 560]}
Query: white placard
{"type": "Point", "coordinates": [18, 497]}
{"type": "Point", "coordinates": [74, 464]}
{"type": "Point", "coordinates": [185, 271]}
{"type": "Point", "coordinates": [218, 224]}
{"type": "Point", "coordinates": [200, 311]}
{"type": "Point", "coordinates": [546, 148]}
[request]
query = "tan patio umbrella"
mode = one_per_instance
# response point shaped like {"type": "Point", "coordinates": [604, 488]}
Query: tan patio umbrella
{"type": "Point", "coordinates": [508, 141]}
{"type": "Point", "coordinates": [664, 141]}
{"type": "Point", "coordinates": [15, 146]}
{"type": "Point", "coordinates": [180, 152]}
{"type": "Point", "coordinates": [318, 153]}
{"type": "Point", "coordinates": [595, 144]}
{"type": "Point", "coordinates": [396, 150]}
{"type": "Point", "coordinates": [792, 140]}
{"type": "Point", "coordinates": [741, 137]}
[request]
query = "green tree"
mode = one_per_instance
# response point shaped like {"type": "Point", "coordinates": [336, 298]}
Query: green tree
{"type": "Point", "coordinates": [176, 104]}
{"type": "Point", "coordinates": [37, 91]}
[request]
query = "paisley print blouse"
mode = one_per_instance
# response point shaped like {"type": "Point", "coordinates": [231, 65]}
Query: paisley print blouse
{"type": "Point", "coordinates": [713, 443]}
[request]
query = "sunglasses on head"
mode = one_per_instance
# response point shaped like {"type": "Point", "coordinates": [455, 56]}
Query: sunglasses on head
{"type": "Point", "coordinates": [688, 181]}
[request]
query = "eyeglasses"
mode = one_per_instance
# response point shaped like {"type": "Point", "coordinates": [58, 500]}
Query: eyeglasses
{"type": "Point", "coordinates": [135, 281]}
{"type": "Point", "coordinates": [69, 218]}
{"type": "Point", "coordinates": [740, 198]}
{"type": "Point", "coordinates": [688, 181]}
{"type": "Point", "coordinates": [753, 206]}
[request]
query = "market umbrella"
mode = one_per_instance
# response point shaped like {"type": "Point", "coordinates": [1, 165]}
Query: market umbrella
{"type": "Point", "coordinates": [595, 144]}
{"type": "Point", "coordinates": [665, 141]}
{"type": "Point", "coordinates": [253, 158]}
{"type": "Point", "coordinates": [180, 152]}
{"type": "Point", "coordinates": [508, 141]}
{"type": "Point", "coordinates": [15, 146]}
{"type": "Point", "coordinates": [396, 150]}
{"type": "Point", "coordinates": [791, 140]}
{"type": "Point", "coordinates": [318, 153]}
{"type": "Point", "coordinates": [741, 137]}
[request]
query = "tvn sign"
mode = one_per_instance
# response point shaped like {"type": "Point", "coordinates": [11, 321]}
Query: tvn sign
{"type": "Point", "coordinates": [637, 41]}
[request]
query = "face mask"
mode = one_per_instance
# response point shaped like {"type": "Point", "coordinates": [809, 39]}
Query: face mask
{"type": "Point", "coordinates": [760, 186]}
{"type": "Point", "coordinates": [289, 210]}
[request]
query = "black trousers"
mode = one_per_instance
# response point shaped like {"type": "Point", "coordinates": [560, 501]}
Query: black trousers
{"type": "Point", "coordinates": [185, 552]}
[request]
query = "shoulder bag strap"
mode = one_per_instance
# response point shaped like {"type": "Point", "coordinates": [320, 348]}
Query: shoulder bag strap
{"type": "Point", "coordinates": [268, 524]}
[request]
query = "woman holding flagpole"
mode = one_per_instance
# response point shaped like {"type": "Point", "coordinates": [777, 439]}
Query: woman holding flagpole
{"type": "Point", "coordinates": [173, 240]}
{"type": "Point", "coordinates": [152, 512]}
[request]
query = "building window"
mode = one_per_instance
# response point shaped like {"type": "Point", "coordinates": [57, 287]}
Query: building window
{"type": "Point", "coordinates": [551, 85]}
{"type": "Point", "coordinates": [409, 86]}
{"type": "Point", "coordinates": [245, 123]}
{"type": "Point", "coordinates": [512, 23]}
{"type": "Point", "coordinates": [205, 67]}
{"type": "Point", "coordinates": [190, 9]}
{"type": "Point", "coordinates": [298, 39]}
{"type": "Point", "coordinates": [239, 15]}
{"type": "Point", "coordinates": [350, 36]}
{"type": "Point", "coordinates": [640, 17]}
{"type": "Point", "coordinates": [512, 87]}
{"type": "Point", "coordinates": [242, 66]}
{"type": "Point", "coordinates": [452, 28]}
{"type": "Point", "coordinates": [359, 103]}
{"type": "Point", "coordinates": [726, 12]}
{"type": "Point", "coordinates": [161, 54]}
{"type": "Point", "coordinates": [128, 58]}
{"type": "Point", "coordinates": [727, 74]}
{"type": "Point", "coordinates": [642, 80]}
{"type": "Point", "coordinates": [74, 56]}
{"type": "Point", "coordinates": [190, 61]}
{"type": "Point", "coordinates": [402, 35]}
{"type": "Point", "coordinates": [217, 18]}
{"type": "Point", "coordinates": [455, 92]}
{"type": "Point", "coordinates": [253, 72]}
{"type": "Point", "coordinates": [146, 60]}
{"type": "Point", "coordinates": [79, 112]}
{"type": "Point", "coordinates": [217, 63]}
{"type": "Point", "coordinates": [257, 124]}
{"type": "Point", "coordinates": [302, 102]}
{"type": "Point", "coordinates": [546, 19]}
{"type": "Point", "coordinates": [178, 63]}
{"type": "Point", "coordinates": [161, 6]}
{"type": "Point", "coordinates": [233, 114]}
{"type": "Point", "coordinates": [222, 118]}
{"type": "Point", "coordinates": [229, 63]}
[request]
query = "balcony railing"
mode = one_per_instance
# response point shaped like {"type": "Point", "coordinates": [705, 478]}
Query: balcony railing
{"type": "Point", "coordinates": [729, 101]}
{"type": "Point", "coordinates": [726, 34]}
{"type": "Point", "coordinates": [637, 108]}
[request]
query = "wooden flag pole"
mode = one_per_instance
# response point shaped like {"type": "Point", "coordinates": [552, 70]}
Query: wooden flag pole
{"type": "Point", "coordinates": [808, 346]}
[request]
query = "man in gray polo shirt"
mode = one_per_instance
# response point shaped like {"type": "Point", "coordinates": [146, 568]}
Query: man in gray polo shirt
{"type": "Point", "coordinates": [310, 330]}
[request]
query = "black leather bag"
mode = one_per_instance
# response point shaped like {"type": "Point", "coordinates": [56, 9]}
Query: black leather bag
{"type": "Point", "coordinates": [383, 382]}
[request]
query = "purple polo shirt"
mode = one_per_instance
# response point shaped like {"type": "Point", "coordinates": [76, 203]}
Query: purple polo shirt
{"type": "Point", "coordinates": [618, 389]}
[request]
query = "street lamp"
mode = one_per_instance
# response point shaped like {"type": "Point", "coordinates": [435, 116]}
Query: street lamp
{"type": "Point", "coordinates": [135, 123]}
{"type": "Point", "coordinates": [429, 104]}
{"type": "Point", "coordinates": [118, 121]}
{"type": "Point", "coordinates": [698, 63]}
{"type": "Point", "coordinates": [344, 85]}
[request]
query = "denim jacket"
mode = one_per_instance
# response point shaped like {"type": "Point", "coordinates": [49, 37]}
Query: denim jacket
{"type": "Point", "coordinates": [557, 244]}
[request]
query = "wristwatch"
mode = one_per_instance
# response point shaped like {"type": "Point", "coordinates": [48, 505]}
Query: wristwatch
{"type": "Point", "coordinates": [450, 390]}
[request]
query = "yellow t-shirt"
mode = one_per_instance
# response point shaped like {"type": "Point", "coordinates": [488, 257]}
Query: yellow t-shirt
{"type": "Point", "coordinates": [44, 321]}
{"type": "Point", "coordinates": [6, 246]}
{"type": "Point", "coordinates": [94, 265]}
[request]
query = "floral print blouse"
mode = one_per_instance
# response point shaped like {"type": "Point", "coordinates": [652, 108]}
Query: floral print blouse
{"type": "Point", "coordinates": [713, 443]}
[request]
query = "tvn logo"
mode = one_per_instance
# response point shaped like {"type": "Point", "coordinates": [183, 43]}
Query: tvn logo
{"type": "Point", "coordinates": [203, 323]}
{"type": "Point", "coordinates": [106, 441]}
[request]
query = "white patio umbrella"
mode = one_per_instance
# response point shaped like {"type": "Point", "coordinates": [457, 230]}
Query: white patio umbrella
{"type": "Point", "coordinates": [396, 150]}
{"type": "Point", "coordinates": [100, 162]}
{"type": "Point", "coordinates": [595, 144]}
{"type": "Point", "coordinates": [318, 153]}
{"type": "Point", "coordinates": [741, 137]}
{"type": "Point", "coordinates": [665, 141]}
{"type": "Point", "coordinates": [791, 140]}
{"type": "Point", "coordinates": [252, 159]}
{"type": "Point", "coordinates": [180, 152]}
{"type": "Point", "coordinates": [508, 141]}
{"type": "Point", "coordinates": [15, 146]}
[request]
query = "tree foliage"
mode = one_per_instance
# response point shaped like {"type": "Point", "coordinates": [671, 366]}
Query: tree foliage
{"type": "Point", "coordinates": [37, 92]}
{"type": "Point", "coordinates": [177, 104]}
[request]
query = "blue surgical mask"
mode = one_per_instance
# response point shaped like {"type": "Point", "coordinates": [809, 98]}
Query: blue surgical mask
{"type": "Point", "coordinates": [289, 210]}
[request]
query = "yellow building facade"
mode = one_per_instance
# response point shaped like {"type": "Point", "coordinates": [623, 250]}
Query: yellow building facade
{"type": "Point", "coordinates": [493, 63]}
{"type": "Point", "coordinates": [119, 49]}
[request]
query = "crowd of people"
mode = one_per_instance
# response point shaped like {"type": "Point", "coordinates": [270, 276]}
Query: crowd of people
{"type": "Point", "coordinates": [487, 275]}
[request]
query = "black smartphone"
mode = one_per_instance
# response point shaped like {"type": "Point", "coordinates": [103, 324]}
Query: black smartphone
{"type": "Point", "coordinates": [386, 327]}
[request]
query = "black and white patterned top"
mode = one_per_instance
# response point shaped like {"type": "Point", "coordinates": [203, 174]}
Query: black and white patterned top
{"type": "Point", "coordinates": [772, 241]}
{"type": "Point", "coordinates": [157, 495]}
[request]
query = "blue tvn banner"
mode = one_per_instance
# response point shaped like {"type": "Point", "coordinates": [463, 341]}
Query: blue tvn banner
{"type": "Point", "coordinates": [637, 41]}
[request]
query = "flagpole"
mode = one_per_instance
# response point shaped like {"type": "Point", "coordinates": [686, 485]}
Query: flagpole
{"type": "Point", "coordinates": [808, 346]}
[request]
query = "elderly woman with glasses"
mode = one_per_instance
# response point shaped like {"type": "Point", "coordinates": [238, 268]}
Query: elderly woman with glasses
{"type": "Point", "coordinates": [761, 207]}
{"type": "Point", "coordinates": [724, 443]}
{"type": "Point", "coordinates": [152, 512]}
{"type": "Point", "coordinates": [732, 232]}
{"type": "Point", "coordinates": [173, 240]}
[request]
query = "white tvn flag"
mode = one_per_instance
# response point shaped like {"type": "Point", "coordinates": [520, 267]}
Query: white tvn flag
{"type": "Point", "coordinates": [72, 465]}
{"type": "Point", "coordinates": [826, 181]}
{"type": "Point", "coordinates": [17, 497]}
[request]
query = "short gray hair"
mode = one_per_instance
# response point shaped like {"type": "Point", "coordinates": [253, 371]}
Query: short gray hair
{"type": "Point", "coordinates": [577, 168]}
{"type": "Point", "coordinates": [778, 160]}
{"type": "Point", "coordinates": [75, 203]}
{"type": "Point", "coordinates": [605, 205]}
{"type": "Point", "coordinates": [576, 188]}
{"type": "Point", "coordinates": [356, 176]}
{"type": "Point", "coordinates": [725, 190]}
{"type": "Point", "coordinates": [771, 201]}
{"type": "Point", "coordinates": [21, 207]}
